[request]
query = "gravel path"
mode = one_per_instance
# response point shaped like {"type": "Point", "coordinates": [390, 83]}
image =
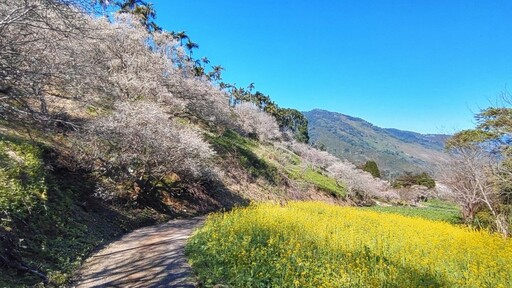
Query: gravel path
{"type": "Point", "coordinates": [147, 257]}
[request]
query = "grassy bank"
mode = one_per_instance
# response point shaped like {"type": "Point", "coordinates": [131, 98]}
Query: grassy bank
{"type": "Point", "coordinates": [276, 166]}
{"type": "Point", "coordinates": [50, 213]}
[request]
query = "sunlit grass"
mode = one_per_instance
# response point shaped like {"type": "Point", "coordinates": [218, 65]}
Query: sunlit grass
{"type": "Point", "coordinates": [316, 178]}
{"type": "Point", "coordinates": [432, 210]}
{"type": "Point", "coordinates": [22, 177]}
{"type": "Point", "coordinates": [319, 245]}
{"type": "Point", "coordinates": [261, 160]}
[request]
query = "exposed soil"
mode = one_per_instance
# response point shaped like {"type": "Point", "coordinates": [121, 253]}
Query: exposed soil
{"type": "Point", "coordinates": [148, 257]}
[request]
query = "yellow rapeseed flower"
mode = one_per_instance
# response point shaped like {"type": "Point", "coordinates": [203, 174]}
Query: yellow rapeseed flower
{"type": "Point", "coordinates": [313, 244]}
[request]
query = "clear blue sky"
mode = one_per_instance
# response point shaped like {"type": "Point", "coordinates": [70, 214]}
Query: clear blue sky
{"type": "Point", "coordinates": [423, 66]}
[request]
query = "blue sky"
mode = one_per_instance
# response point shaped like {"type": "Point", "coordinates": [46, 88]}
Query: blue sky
{"type": "Point", "coordinates": [423, 66]}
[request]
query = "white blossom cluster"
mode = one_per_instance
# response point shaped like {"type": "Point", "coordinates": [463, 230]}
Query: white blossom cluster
{"type": "Point", "coordinates": [59, 63]}
{"type": "Point", "coordinates": [140, 140]}
{"type": "Point", "coordinates": [359, 183]}
{"type": "Point", "coordinates": [252, 121]}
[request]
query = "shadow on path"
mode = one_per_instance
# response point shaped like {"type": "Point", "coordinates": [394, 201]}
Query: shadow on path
{"type": "Point", "coordinates": [148, 257]}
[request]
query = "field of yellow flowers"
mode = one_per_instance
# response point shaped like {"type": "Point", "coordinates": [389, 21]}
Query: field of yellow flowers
{"type": "Point", "coordinates": [312, 244]}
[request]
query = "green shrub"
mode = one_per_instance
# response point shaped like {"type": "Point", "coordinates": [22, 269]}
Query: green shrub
{"type": "Point", "coordinates": [372, 168]}
{"type": "Point", "coordinates": [410, 179]}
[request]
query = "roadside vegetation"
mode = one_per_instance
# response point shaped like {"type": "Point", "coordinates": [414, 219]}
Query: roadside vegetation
{"type": "Point", "coordinates": [311, 244]}
{"type": "Point", "coordinates": [49, 222]}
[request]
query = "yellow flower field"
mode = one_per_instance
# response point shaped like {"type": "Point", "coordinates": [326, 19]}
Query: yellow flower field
{"type": "Point", "coordinates": [312, 244]}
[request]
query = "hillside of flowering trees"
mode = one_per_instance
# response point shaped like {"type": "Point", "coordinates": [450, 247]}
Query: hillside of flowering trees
{"type": "Point", "coordinates": [108, 123]}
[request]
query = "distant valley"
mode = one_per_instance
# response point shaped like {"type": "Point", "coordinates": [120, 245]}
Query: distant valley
{"type": "Point", "coordinates": [358, 141]}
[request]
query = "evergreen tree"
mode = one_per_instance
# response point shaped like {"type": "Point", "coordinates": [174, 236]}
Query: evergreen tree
{"type": "Point", "coordinates": [143, 10]}
{"type": "Point", "coordinates": [372, 168]}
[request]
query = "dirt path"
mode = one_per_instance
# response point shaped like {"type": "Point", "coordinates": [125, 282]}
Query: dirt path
{"type": "Point", "coordinates": [147, 257]}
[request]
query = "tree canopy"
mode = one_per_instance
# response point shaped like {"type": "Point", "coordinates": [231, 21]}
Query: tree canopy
{"type": "Point", "coordinates": [372, 168]}
{"type": "Point", "coordinates": [288, 119]}
{"type": "Point", "coordinates": [491, 136]}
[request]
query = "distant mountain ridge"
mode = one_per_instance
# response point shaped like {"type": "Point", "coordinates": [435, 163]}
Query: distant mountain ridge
{"type": "Point", "coordinates": [395, 151]}
{"type": "Point", "coordinates": [435, 141]}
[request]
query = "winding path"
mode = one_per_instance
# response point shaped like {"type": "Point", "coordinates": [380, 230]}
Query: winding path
{"type": "Point", "coordinates": [147, 257]}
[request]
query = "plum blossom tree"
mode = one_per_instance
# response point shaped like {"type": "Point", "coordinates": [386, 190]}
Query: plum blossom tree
{"type": "Point", "coordinates": [138, 142]}
{"type": "Point", "coordinates": [361, 185]}
{"type": "Point", "coordinates": [37, 59]}
{"type": "Point", "coordinates": [470, 175]}
{"type": "Point", "coordinates": [254, 122]}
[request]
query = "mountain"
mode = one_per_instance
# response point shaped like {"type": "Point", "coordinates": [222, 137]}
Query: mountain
{"type": "Point", "coordinates": [357, 140]}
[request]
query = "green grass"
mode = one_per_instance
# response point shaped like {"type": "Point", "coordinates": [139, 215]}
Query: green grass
{"type": "Point", "coordinates": [241, 148]}
{"type": "Point", "coordinates": [316, 178]}
{"type": "Point", "coordinates": [291, 165]}
{"type": "Point", "coordinates": [230, 138]}
{"type": "Point", "coordinates": [261, 161]}
{"type": "Point", "coordinates": [434, 210]}
{"type": "Point", "coordinates": [22, 176]}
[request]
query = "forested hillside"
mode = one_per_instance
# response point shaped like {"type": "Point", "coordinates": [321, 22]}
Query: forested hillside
{"type": "Point", "coordinates": [357, 140]}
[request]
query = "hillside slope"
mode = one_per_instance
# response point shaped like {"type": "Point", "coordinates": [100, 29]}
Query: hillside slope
{"type": "Point", "coordinates": [357, 140]}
